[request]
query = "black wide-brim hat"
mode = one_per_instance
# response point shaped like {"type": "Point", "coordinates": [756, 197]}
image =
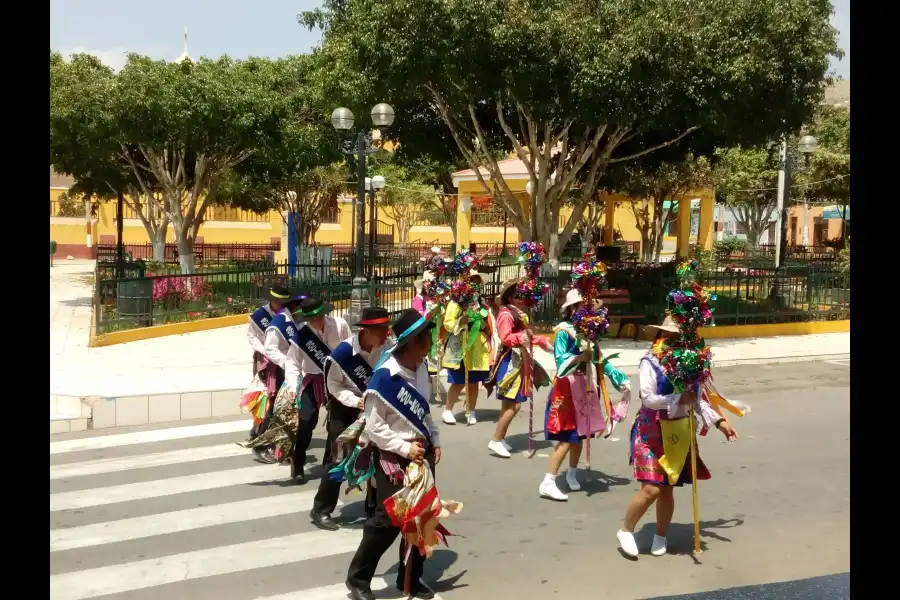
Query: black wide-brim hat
{"type": "Point", "coordinates": [279, 293]}
{"type": "Point", "coordinates": [310, 308]}
{"type": "Point", "coordinates": [373, 316]}
{"type": "Point", "coordinates": [408, 325]}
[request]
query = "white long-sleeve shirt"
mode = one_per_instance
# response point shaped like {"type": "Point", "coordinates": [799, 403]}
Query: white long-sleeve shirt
{"type": "Point", "coordinates": [299, 364]}
{"type": "Point", "coordinates": [340, 386]}
{"type": "Point", "coordinates": [256, 336]}
{"type": "Point", "coordinates": [275, 347]}
{"type": "Point", "coordinates": [670, 402]}
{"type": "Point", "coordinates": [384, 427]}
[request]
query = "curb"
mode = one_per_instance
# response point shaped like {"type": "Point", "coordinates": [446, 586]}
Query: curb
{"type": "Point", "coordinates": [98, 412]}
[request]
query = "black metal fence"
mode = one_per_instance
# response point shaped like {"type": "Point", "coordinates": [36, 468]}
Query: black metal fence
{"type": "Point", "coordinates": [204, 253]}
{"type": "Point", "coordinates": [129, 299]}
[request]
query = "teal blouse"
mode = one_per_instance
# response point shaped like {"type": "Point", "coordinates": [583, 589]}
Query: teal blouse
{"type": "Point", "coordinates": [566, 349]}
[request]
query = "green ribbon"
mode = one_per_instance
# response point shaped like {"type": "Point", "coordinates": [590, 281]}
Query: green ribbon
{"type": "Point", "coordinates": [476, 318]}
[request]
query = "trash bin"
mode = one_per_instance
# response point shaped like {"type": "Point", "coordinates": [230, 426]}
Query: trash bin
{"type": "Point", "coordinates": [134, 298]}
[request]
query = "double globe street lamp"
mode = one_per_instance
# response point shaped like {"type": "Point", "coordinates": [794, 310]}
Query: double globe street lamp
{"type": "Point", "coordinates": [361, 145]}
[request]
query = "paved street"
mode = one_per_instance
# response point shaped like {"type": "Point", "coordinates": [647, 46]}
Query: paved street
{"type": "Point", "coordinates": [179, 511]}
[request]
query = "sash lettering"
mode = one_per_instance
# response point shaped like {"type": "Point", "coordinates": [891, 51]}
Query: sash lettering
{"type": "Point", "coordinates": [403, 398]}
{"type": "Point", "coordinates": [353, 365]}
{"type": "Point", "coordinates": [313, 346]}
{"type": "Point", "coordinates": [262, 317]}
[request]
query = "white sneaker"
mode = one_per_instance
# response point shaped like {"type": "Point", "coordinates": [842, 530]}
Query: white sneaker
{"type": "Point", "coordinates": [572, 480]}
{"type": "Point", "coordinates": [548, 489]}
{"type": "Point", "coordinates": [659, 546]}
{"type": "Point", "coordinates": [505, 445]}
{"type": "Point", "coordinates": [499, 449]}
{"type": "Point", "coordinates": [448, 418]}
{"type": "Point", "coordinates": [471, 420]}
{"type": "Point", "coordinates": [627, 543]}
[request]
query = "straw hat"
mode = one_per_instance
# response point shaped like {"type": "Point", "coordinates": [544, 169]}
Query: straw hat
{"type": "Point", "coordinates": [474, 273]}
{"type": "Point", "coordinates": [572, 297]}
{"type": "Point", "coordinates": [668, 324]}
{"type": "Point", "coordinates": [436, 249]}
{"type": "Point", "coordinates": [504, 287]}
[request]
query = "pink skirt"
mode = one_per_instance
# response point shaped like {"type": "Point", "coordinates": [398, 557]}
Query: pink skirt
{"type": "Point", "coordinates": [647, 447]}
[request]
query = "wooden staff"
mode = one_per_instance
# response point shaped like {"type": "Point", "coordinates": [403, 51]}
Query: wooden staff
{"type": "Point", "coordinates": [465, 349]}
{"type": "Point", "coordinates": [697, 549]}
{"type": "Point", "coordinates": [528, 390]}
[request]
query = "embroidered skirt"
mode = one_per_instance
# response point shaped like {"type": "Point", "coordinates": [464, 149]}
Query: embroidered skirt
{"type": "Point", "coordinates": [502, 371]}
{"type": "Point", "coordinates": [573, 412]}
{"type": "Point", "coordinates": [647, 448]}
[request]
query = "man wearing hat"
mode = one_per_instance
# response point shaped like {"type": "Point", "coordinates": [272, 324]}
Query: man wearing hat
{"type": "Point", "coordinates": [271, 372]}
{"type": "Point", "coordinates": [399, 424]}
{"type": "Point", "coordinates": [347, 373]}
{"type": "Point", "coordinates": [310, 344]}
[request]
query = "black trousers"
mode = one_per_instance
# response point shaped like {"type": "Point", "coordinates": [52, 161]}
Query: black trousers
{"type": "Point", "coordinates": [308, 418]}
{"type": "Point", "coordinates": [339, 418]}
{"type": "Point", "coordinates": [379, 534]}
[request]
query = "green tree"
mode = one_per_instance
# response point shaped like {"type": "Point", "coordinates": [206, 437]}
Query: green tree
{"type": "Point", "coordinates": [403, 198]}
{"type": "Point", "coordinates": [829, 175]}
{"type": "Point", "coordinates": [573, 87]}
{"type": "Point", "coordinates": [650, 184]}
{"type": "Point", "coordinates": [182, 127]}
{"type": "Point", "coordinates": [84, 144]}
{"type": "Point", "coordinates": [300, 170]}
{"type": "Point", "coordinates": [746, 183]}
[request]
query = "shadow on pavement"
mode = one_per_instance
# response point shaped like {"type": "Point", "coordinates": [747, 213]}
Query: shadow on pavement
{"type": "Point", "coordinates": [827, 587]}
{"type": "Point", "coordinates": [681, 535]}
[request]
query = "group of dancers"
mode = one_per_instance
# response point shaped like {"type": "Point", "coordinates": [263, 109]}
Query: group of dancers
{"type": "Point", "coordinates": [377, 386]}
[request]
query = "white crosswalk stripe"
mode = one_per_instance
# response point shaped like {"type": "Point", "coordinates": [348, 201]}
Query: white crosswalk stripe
{"type": "Point", "coordinates": [163, 525]}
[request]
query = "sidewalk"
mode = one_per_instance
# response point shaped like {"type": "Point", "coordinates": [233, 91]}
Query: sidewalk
{"type": "Point", "coordinates": [211, 367]}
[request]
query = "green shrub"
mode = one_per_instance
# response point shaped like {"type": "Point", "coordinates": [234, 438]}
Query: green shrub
{"type": "Point", "coordinates": [730, 244]}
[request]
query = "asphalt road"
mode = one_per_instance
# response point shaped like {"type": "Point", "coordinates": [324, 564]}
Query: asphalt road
{"type": "Point", "coordinates": [776, 510]}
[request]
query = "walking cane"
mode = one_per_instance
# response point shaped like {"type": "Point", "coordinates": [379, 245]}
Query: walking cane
{"type": "Point", "coordinates": [528, 390]}
{"type": "Point", "coordinates": [465, 352]}
{"type": "Point", "coordinates": [697, 549]}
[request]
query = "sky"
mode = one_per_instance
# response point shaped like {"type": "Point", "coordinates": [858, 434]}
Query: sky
{"type": "Point", "coordinates": [239, 28]}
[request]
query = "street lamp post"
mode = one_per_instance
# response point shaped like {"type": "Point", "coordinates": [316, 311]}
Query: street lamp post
{"type": "Point", "coordinates": [807, 145]}
{"type": "Point", "coordinates": [373, 185]}
{"type": "Point", "coordinates": [342, 119]}
{"type": "Point", "coordinates": [781, 286]}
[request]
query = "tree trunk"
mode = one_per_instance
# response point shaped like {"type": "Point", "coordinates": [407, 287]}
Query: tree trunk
{"type": "Point", "coordinates": [158, 239]}
{"type": "Point", "coordinates": [185, 245]}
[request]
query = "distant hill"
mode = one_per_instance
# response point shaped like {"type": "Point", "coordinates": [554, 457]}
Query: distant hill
{"type": "Point", "coordinates": [839, 93]}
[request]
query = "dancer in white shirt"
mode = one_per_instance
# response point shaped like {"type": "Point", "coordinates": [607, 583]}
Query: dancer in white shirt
{"type": "Point", "coordinates": [347, 373]}
{"type": "Point", "coordinates": [399, 424]}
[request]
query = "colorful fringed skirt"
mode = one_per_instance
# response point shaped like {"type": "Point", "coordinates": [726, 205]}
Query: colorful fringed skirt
{"type": "Point", "coordinates": [512, 395]}
{"type": "Point", "coordinates": [281, 432]}
{"type": "Point", "coordinates": [647, 449]}
{"type": "Point", "coordinates": [573, 410]}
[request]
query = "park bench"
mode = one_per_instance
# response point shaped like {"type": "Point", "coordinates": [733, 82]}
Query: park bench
{"type": "Point", "coordinates": [622, 298]}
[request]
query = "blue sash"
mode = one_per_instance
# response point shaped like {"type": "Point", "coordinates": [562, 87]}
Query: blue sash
{"type": "Point", "coordinates": [403, 398]}
{"type": "Point", "coordinates": [287, 329]}
{"type": "Point", "coordinates": [353, 365]}
{"type": "Point", "coordinates": [262, 317]}
{"type": "Point", "coordinates": [664, 387]}
{"type": "Point", "coordinates": [313, 346]}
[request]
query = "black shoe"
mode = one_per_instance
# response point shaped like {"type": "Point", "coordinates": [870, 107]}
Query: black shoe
{"type": "Point", "coordinates": [297, 473]}
{"type": "Point", "coordinates": [417, 589]}
{"type": "Point", "coordinates": [265, 456]}
{"type": "Point", "coordinates": [359, 593]}
{"type": "Point", "coordinates": [324, 521]}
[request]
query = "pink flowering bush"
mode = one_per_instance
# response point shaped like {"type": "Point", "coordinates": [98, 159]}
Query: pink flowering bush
{"type": "Point", "coordinates": [173, 291]}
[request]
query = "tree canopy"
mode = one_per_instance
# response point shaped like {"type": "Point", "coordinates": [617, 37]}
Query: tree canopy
{"type": "Point", "coordinates": [572, 87]}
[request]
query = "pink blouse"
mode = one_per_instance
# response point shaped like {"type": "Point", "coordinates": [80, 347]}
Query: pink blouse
{"type": "Point", "coordinates": [511, 331]}
{"type": "Point", "coordinates": [418, 304]}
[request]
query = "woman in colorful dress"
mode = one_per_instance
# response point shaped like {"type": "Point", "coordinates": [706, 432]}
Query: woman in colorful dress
{"type": "Point", "coordinates": [574, 409]}
{"type": "Point", "coordinates": [512, 343]}
{"type": "Point", "coordinates": [428, 306]}
{"type": "Point", "coordinates": [660, 402]}
{"type": "Point", "coordinates": [474, 326]}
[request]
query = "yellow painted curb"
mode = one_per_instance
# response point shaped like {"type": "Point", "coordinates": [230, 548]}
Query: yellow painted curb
{"type": "Point", "coordinates": [156, 331]}
{"type": "Point", "coordinates": [751, 331]}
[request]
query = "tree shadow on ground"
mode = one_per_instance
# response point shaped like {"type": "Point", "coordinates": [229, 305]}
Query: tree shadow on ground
{"type": "Point", "coordinates": [681, 535]}
{"type": "Point", "coordinates": [597, 482]}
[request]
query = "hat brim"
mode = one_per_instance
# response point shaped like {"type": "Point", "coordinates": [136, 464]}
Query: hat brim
{"type": "Point", "coordinates": [267, 295]}
{"type": "Point", "coordinates": [414, 333]}
{"type": "Point", "coordinates": [327, 307]}
{"type": "Point", "coordinates": [669, 328]}
{"type": "Point", "coordinates": [504, 287]}
{"type": "Point", "coordinates": [357, 322]}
